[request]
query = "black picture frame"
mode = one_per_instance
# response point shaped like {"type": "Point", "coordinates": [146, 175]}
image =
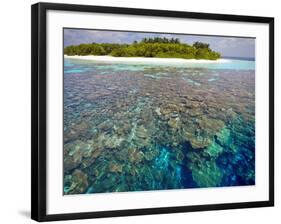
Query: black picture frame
{"type": "Point", "coordinates": [39, 108]}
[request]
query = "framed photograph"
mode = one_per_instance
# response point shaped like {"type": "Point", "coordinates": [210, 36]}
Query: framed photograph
{"type": "Point", "coordinates": [139, 111]}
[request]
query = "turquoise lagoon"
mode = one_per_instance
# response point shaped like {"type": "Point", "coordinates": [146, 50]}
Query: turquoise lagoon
{"type": "Point", "coordinates": [140, 127]}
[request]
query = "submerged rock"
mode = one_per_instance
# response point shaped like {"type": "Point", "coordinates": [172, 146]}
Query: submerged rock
{"type": "Point", "coordinates": [212, 125]}
{"type": "Point", "coordinates": [113, 142]}
{"type": "Point", "coordinates": [224, 136]}
{"type": "Point", "coordinates": [151, 154]}
{"type": "Point", "coordinates": [209, 175]}
{"type": "Point", "coordinates": [72, 156]}
{"type": "Point", "coordinates": [141, 132]}
{"type": "Point", "coordinates": [105, 126]}
{"type": "Point", "coordinates": [123, 129]}
{"type": "Point", "coordinates": [168, 109]}
{"type": "Point", "coordinates": [204, 170]}
{"type": "Point", "coordinates": [158, 111]}
{"type": "Point", "coordinates": [76, 183]}
{"type": "Point", "coordinates": [88, 161]}
{"type": "Point", "coordinates": [214, 149]}
{"type": "Point", "coordinates": [195, 112]}
{"type": "Point", "coordinates": [201, 132]}
{"type": "Point", "coordinates": [115, 167]}
{"type": "Point", "coordinates": [135, 156]}
{"type": "Point", "coordinates": [197, 138]}
{"type": "Point", "coordinates": [174, 123]}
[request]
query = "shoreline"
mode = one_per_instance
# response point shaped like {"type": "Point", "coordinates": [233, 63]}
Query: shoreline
{"type": "Point", "coordinates": [141, 60]}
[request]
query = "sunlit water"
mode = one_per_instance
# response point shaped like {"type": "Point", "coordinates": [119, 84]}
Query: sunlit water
{"type": "Point", "coordinates": [151, 127]}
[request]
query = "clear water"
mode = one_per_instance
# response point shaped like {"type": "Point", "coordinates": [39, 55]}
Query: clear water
{"type": "Point", "coordinates": [152, 127]}
{"type": "Point", "coordinates": [84, 65]}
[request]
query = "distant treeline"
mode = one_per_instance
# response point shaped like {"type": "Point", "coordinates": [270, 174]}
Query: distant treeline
{"type": "Point", "coordinates": [147, 47]}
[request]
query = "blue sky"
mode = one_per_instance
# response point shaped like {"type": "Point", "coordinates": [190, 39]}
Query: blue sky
{"type": "Point", "coordinates": [227, 46]}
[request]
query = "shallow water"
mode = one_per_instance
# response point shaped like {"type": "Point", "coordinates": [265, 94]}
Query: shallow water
{"type": "Point", "coordinates": [152, 127]}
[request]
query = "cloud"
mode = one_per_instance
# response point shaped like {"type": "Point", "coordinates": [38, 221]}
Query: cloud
{"type": "Point", "coordinates": [236, 46]}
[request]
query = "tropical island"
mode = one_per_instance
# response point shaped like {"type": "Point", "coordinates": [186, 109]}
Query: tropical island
{"type": "Point", "coordinates": [148, 47]}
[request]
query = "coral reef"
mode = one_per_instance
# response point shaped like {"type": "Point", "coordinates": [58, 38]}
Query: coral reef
{"type": "Point", "coordinates": [76, 183]}
{"type": "Point", "coordinates": [138, 127]}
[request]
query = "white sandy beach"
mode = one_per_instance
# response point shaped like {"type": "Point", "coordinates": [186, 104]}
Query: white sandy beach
{"type": "Point", "coordinates": [141, 60]}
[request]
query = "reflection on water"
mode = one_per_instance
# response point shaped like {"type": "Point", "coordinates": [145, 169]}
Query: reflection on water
{"type": "Point", "coordinates": [150, 127]}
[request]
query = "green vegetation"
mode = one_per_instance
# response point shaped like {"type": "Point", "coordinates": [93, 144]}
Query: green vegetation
{"type": "Point", "coordinates": [148, 47]}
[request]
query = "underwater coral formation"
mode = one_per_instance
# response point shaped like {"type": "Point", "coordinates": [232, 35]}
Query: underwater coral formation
{"type": "Point", "coordinates": [136, 128]}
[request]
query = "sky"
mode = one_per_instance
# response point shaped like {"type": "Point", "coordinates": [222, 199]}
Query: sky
{"type": "Point", "coordinates": [227, 46]}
